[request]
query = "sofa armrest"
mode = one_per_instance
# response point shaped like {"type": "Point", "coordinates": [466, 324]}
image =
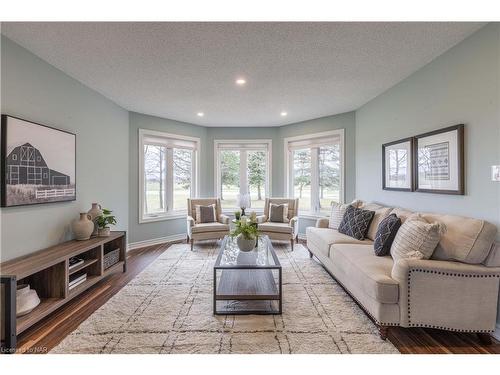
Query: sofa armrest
{"type": "Point", "coordinates": [447, 295]}
{"type": "Point", "coordinates": [223, 219]}
{"type": "Point", "coordinates": [322, 222]}
{"type": "Point", "coordinates": [189, 223]}
{"type": "Point", "coordinates": [294, 223]}
{"type": "Point", "coordinates": [261, 219]}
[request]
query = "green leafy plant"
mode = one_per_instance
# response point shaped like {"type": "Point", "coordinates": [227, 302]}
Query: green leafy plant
{"type": "Point", "coordinates": [237, 215]}
{"type": "Point", "coordinates": [246, 228]}
{"type": "Point", "coordinates": [106, 219]}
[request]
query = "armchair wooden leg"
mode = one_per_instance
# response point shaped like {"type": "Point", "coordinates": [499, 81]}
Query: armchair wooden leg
{"type": "Point", "coordinates": [297, 239]}
{"type": "Point", "coordinates": [192, 243]}
{"type": "Point", "coordinates": [187, 239]}
{"type": "Point", "coordinates": [382, 331]}
{"type": "Point", "coordinates": [484, 338]}
{"type": "Point", "coordinates": [291, 243]}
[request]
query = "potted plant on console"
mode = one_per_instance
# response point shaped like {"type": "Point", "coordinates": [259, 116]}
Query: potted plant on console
{"type": "Point", "coordinates": [103, 222]}
{"type": "Point", "coordinates": [246, 234]}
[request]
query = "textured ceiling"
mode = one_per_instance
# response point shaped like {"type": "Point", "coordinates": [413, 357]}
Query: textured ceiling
{"type": "Point", "coordinates": [176, 70]}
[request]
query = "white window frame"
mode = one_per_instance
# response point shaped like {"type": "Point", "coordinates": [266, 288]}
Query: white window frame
{"type": "Point", "coordinates": [195, 187]}
{"type": "Point", "coordinates": [243, 160]}
{"type": "Point", "coordinates": [314, 213]}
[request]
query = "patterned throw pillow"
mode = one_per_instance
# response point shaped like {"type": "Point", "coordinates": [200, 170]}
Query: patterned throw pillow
{"type": "Point", "coordinates": [278, 213]}
{"type": "Point", "coordinates": [386, 233]}
{"type": "Point", "coordinates": [355, 222]}
{"type": "Point", "coordinates": [205, 214]}
{"type": "Point", "coordinates": [417, 239]}
{"type": "Point", "coordinates": [338, 211]}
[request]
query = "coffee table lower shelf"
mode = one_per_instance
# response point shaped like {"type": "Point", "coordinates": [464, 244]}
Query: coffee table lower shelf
{"type": "Point", "coordinates": [247, 291]}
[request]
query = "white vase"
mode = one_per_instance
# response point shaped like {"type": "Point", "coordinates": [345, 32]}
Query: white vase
{"type": "Point", "coordinates": [94, 213]}
{"type": "Point", "coordinates": [26, 300]}
{"type": "Point", "coordinates": [244, 244]}
{"type": "Point", "coordinates": [83, 227]}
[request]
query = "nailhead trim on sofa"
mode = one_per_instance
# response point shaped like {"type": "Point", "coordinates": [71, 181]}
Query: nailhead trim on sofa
{"type": "Point", "coordinates": [445, 274]}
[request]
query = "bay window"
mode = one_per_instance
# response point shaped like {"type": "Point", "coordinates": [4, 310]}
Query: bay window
{"type": "Point", "coordinates": [242, 167]}
{"type": "Point", "coordinates": [314, 173]}
{"type": "Point", "coordinates": [168, 174]}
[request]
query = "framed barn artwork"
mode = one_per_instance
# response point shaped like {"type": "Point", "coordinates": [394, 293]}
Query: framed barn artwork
{"type": "Point", "coordinates": [38, 163]}
{"type": "Point", "coordinates": [397, 165]}
{"type": "Point", "coordinates": [439, 161]}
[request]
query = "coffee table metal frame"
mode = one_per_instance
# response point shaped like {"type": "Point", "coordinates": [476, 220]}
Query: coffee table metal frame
{"type": "Point", "coordinates": [277, 296]}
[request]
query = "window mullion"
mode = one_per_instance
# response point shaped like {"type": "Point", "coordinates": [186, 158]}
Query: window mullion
{"type": "Point", "coordinates": [243, 172]}
{"type": "Point", "coordinates": [169, 179]}
{"type": "Point", "coordinates": [315, 179]}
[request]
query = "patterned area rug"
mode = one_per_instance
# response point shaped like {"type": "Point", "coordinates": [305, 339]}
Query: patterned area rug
{"type": "Point", "coordinates": [168, 309]}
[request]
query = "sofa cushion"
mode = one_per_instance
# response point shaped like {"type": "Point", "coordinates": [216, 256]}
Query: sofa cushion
{"type": "Point", "coordinates": [210, 227]}
{"type": "Point", "coordinates": [356, 222]}
{"type": "Point", "coordinates": [386, 233]}
{"type": "Point", "coordinates": [275, 227]}
{"type": "Point", "coordinates": [368, 272]}
{"type": "Point", "coordinates": [323, 238]}
{"type": "Point", "coordinates": [466, 239]}
{"type": "Point", "coordinates": [381, 212]}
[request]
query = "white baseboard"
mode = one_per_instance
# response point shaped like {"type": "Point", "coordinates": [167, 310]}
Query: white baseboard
{"type": "Point", "coordinates": [302, 236]}
{"type": "Point", "coordinates": [156, 241]}
{"type": "Point", "coordinates": [496, 334]}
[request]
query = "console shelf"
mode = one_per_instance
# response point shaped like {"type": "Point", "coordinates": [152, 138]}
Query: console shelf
{"type": "Point", "coordinates": [47, 271]}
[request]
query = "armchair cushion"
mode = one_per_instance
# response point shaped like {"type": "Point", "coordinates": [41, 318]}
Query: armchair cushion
{"type": "Point", "coordinates": [224, 219]}
{"type": "Point", "coordinates": [210, 227]}
{"type": "Point", "coordinates": [276, 227]}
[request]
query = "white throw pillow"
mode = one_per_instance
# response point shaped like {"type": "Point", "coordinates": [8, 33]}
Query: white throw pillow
{"type": "Point", "coordinates": [338, 211]}
{"type": "Point", "coordinates": [417, 239]}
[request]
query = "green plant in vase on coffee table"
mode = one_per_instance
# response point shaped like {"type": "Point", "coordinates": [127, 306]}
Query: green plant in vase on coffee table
{"type": "Point", "coordinates": [103, 222]}
{"type": "Point", "coordinates": [246, 234]}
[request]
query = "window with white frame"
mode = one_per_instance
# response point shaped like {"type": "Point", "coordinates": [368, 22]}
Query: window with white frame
{"type": "Point", "coordinates": [315, 170]}
{"type": "Point", "coordinates": [243, 166]}
{"type": "Point", "coordinates": [168, 173]}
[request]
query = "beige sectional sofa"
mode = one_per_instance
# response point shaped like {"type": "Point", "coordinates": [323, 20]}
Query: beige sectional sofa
{"type": "Point", "coordinates": [457, 289]}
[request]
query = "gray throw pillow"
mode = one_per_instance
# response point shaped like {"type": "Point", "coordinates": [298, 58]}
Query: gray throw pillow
{"type": "Point", "coordinates": [205, 214]}
{"type": "Point", "coordinates": [356, 222]}
{"type": "Point", "coordinates": [278, 212]}
{"type": "Point", "coordinates": [386, 232]}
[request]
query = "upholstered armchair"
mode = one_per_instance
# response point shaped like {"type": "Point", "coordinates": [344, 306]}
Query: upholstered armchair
{"type": "Point", "coordinates": [280, 231]}
{"type": "Point", "coordinates": [206, 231]}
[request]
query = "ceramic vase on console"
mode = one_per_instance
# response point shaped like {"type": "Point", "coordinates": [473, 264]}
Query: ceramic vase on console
{"type": "Point", "coordinates": [94, 213]}
{"type": "Point", "coordinates": [26, 300]}
{"type": "Point", "coordinates": [83, 227]}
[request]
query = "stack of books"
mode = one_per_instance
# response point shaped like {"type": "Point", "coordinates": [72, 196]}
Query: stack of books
{"type": "Point", "coordinates": [74, 262]}
{"type": "Point", "coordinates": [73, 283]}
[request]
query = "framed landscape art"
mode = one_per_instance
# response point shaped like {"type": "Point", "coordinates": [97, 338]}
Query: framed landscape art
{"type": "Point", "coordinates": [38, 163]}
{"type": "Point", "coordinates": [397, 165]}
{"type": "Point", "coordinates": [439, 157]}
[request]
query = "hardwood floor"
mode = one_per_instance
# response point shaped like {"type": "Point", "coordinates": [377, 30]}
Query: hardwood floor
{"type": "Point", "coordinates": [49, 332]}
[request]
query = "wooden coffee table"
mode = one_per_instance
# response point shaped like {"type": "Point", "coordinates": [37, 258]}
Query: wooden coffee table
{"type": "Point", "coordinates": [247, 282]}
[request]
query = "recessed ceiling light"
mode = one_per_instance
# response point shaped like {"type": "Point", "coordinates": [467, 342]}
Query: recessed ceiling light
{"type": "Point", "coordinates": [200, 114]}
{"type": "Point", "coordinates": [283, 113]}
{"type": "Point", "coordinates": [241, 81]}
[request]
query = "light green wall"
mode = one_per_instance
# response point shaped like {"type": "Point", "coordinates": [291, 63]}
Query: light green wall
{"type": "Point", "coordinates": [460, 86]}
{"type": "Point", "coordinates": [34, 90]}
{"type": "Point", "coordinates": [149, 231]}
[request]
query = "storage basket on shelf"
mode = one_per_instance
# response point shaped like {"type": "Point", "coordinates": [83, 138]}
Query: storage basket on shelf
{"type": "Point", "coordinates": [111, 258]}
